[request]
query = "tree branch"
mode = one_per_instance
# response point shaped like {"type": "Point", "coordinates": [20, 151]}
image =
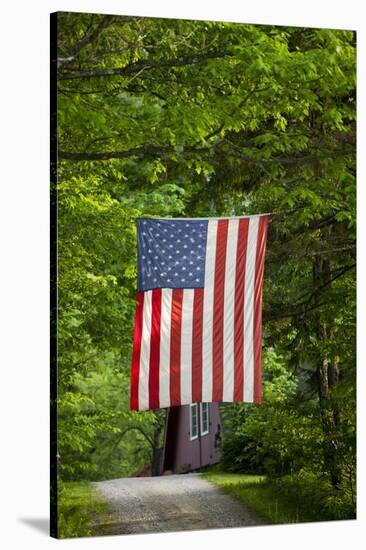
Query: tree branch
{"type": "Point", "coordinates": [320, 252]}
{"type": "Point", "coordinates": [215, 132]}
{"type": "Point", "coordinates": [160, 149]}
{"type": "Point", "coordinates": [134, 152]}
{"type": "Point", "coordinates": [291, 160]}
{"type": "Point", "coordinates": [107, 155]}
{"type": "Point", "coordinates": [285, 315]}
{"type": "Point", "coordinates": [298, 310]}
{"type": "Point", "coordinates": [139, 429]}
{"type": "Point", "coordinates": [134, 68]}
{"type": "Point", "coordinates": [78, 46]}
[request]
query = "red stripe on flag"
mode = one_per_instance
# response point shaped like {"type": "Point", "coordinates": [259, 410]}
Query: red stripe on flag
{"type": "Point", "coordinates": [257, 324]}
{"type": "Point", "coordinates": [175, 346]}
{"type": "Point", "coordinates": [197, 330]}
{"type": "Point", "coordinates": [135, 370]}
{"type": "Point", "coordinates": [155, 349]}
{"type": "Point", "coordinates": [218, 311]}
{"type": "Point", "coordinates": [241, 255]}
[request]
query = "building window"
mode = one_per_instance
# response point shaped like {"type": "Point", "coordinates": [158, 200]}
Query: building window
{"type": "Point", "coordinates": [204, 418]}
{"type": "Point", "coordinates": [193, 420]}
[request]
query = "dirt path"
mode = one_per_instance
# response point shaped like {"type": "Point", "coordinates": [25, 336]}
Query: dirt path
{"type": "Point", "coordinates": [170, 503]}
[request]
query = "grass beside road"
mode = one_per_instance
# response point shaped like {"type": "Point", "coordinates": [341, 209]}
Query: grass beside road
{"type": "Point", "coordinates": [284, 500]}
{"type": "Point", "coordinates": [249, 489]}
{"type": "Point", "coordinates": [257, 493]}
{"type": "Point", "coordinates": [80, 506]}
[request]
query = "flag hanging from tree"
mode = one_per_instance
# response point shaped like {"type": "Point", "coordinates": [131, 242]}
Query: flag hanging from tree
{"type": "Point", "coordinates": [198, 323]}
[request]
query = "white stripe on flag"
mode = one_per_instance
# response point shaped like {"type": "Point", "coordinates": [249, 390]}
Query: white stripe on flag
{"type": "Point", "coordinates": [249, 309]}
{"type": "Point", "coordinates": [145, 352]}
{"type": "Point", "coordinates": [208, 311]}
{"type": "Point", "coordinates": [186, 347]}
{"type": "Point", "coordinates": [165, 328]}
{"type": "Point", "coordinates": [229, 309]}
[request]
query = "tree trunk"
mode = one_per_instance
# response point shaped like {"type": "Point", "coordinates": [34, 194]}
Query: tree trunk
{"type": "Point", "coordinates": [328, 376]}
{"type": "Point", "coordinates": [330, 421]}
{"type": "Point", "coordinates": [157, 449]}
{"type": "Point", "coordinates": [156, 454]}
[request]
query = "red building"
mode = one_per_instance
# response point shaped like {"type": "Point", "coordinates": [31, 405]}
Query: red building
{"type": "Point", "coordinates": [192, 437]}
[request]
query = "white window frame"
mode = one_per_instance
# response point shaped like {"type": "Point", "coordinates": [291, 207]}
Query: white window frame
{"type": "Point", "coordinates": [192, 437]}
{"type": "Point", "coordinates": [199, 428]}
{"type": "Point", "coordinates": [201, 418]}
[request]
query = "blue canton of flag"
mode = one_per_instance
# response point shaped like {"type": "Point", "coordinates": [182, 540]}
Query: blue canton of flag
{"type": "Point", "coordinates": [171, 253]}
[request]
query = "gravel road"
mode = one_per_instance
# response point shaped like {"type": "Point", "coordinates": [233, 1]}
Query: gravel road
{"type": "Point", "coordinates": [170, 503]}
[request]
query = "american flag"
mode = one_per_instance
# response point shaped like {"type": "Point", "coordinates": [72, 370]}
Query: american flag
{"type": "Point", "coordinates": [198, 322]}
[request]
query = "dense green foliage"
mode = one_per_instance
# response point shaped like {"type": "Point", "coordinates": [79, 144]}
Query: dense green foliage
{"type": "Point", "coordinates": [80, 510]}
{"type": "Point", "coordinates": [186, 118]}
{"type": "Point", "coordinates": [289, 499]}
{"type": "Point", "coordinates": [291, 440]}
